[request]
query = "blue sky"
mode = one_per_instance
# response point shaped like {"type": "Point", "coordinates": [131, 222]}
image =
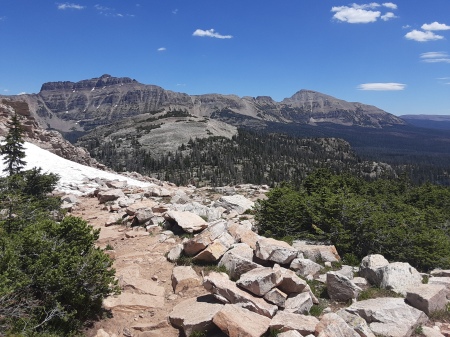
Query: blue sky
{"type": "Point", "coordinates": [394, 55]}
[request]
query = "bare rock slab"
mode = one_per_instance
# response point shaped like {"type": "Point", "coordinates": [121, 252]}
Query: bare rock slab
{"type": "Point", "coordinates": [184, 277]}
{"type": "Point", "coordinates": [132, 302]}
{"type": "Point", "coordinates": [258, 281]}
{"type": "Point", "coordinates": [199, 242]}
{"type": "Point", "coordinates": [277, 297]}
{"type": "Point", "coordinates": [331, 325]}
{"type": "Point", "coordinates": [356, 323]}
{"type": "Point", "coordinates": [340, 288]}
{"type": "Point", "coordinates": [237, 203]}
{"type": "Point", "coordinates": [325, 253]}
{"type": "Point", "coordinates": [298, 303]}
{"type": "Point", "coordinates": [195, 314]}
{"type": "Point", "coordinates": [110, 195]}
{"type": "Point", "coordinates": [399, 276]}
{"type": "Point", "coordinates": [269, 249]}
{"type": "Point", "coordinates": [216, 249]}
{"type": "Point", "coordinates": [427, 297]}
{"type": "Point", "coordinates": [285, 321]}
{"type": "Point", "coordinates": [388, 316]}
{"type": "Point", "coordinates": [189, 222]}
{"type": "Point", "coordinates": [238, 260]}
{"type": "Point", "coordinates": [370, 268]}
{"type": "Point", "coordinates": [236, 321]}
{"type": "Point", "coordinates": [227, 292]}
{"type": "Point", "coordinates": [289, 281]}
{"type": "Point", "coordinates": [305, 267]}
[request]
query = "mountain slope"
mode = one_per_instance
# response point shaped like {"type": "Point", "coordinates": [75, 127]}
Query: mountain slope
{"type": "Point", "coordinates": [440, 122]}
{"type": "Point", "coordinates": [81, 106]}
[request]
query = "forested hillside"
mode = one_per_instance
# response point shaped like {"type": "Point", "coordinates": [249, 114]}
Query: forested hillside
{"type": "Point", "coordinates": [249, 157]}
{"type": "Point", "coordinates": [386, 216]}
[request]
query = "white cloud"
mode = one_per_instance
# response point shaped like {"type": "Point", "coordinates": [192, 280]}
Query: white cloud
{"type": "Point", "coordinates": [162, 49]}
{"type": "Point", "coordinates": [435, 57]}
{"type": "Point", "coordinates": [388, 16]}
{"type": "Point", "coordinates": [435, 26]}
{"type": "Point", "coordinates": [210, 33]}
{"type": "Point", "coordinates": [355, 14]}
{"type": "Point", "coordinates": [175, 11]}
{"type": "Point", "coordinates": [390, 5]}
{"type": "Point", "coordinates": [420, 36]}
{"type": "Point", "coordinates": [68, 5]}
{"type": "Point", "coordinates": [363, 13]}
{"type": "Point", "coordinates": [382, 86]}
{"type": "Point", "coordinates": [406, 26]}
{"type": "Point", "coordinates": [22, 93]}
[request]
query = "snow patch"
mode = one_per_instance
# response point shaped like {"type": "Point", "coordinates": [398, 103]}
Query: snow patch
{"type": "Point", "coordinates": [71, 174]}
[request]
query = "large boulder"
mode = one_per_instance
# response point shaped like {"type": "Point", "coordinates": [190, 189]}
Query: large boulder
{"type": "Point", "coordinates": [427, 297]}
{"type": "Point", "coordinates": [184, 277]}
{"type": "Point", "coordinates": [286, 321]}
{"type": "Point", "coordinates": [235, 321]}
{"type": "Point", "coordinates": [216, 249]}
{"type": "Point", "coordinates": [399, 276]}
{"type": "Point", "coordinates": [189, 222]}
{"type": "Point", "coordinates": [202, 240]}
{"type": "Point", "coordinates": [238, 260]}
{"type": "Point", "coordinates": [237, 203]}
{"type": "Point", "coordinates": [340, 288]}
{"type": "Point", "coordinates": [258, 281]}
{"type": "Point", "coordinates": [325, 253]}
{"type": "Point", "coordinates": [269, 249]}
{"type": "Point", "coordinates": [210, 213]}
{"type": "Point", "coordinates": [356, 323]}
{"type": "Point", "coordinates": [226, 291]}
{"type": "Point", "coordinates": [289, 281]}
{"type": "Point", "coordinates": [305, 267]}
{"type": "Point", "coordinates": [298, 303]}
{"type": "Point", "coordinates": [242, 232]}
{"type": "Point", "coordinates": [143, 215]}
{"type": "Point", "coordinates": [110, 195]}
{"type": "Point", "coordinates": [442, 281]}
{"type": "Point", "coordinates": [389, 316]}
{"type": "Point", "coordinates": [331, 325]}
{"type": "Point", "coordinates": [277, 297]}
{"type": "Point", "coordinates": [370, 268]}
{"type": "Point", "coordinates": [195, 314]}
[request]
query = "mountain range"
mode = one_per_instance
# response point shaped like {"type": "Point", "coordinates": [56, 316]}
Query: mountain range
{"type": "Point", "coordinates": [133, 116]}
{"type": "Point", "coordinates": [81, 106]}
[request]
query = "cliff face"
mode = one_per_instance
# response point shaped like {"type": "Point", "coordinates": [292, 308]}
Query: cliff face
{"type": "Point", "coordinates": [81, 106]}
{"type": "Point", "coordinates": [49, 140]}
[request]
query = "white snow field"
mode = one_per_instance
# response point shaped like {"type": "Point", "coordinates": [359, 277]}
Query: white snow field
{"type": "Point", "coordinates": [71, 174]}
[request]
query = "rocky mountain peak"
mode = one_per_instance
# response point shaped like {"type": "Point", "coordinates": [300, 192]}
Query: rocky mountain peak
{"type": "Point", "coordinates": [97, 82]}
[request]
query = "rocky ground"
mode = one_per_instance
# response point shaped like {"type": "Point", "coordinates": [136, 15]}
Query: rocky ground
{"type": "Point", "coordinates": [161, 298]}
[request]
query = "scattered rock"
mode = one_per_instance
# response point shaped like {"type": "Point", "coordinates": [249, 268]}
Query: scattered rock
{"type": "Point", "coordinates": [188, 221]}
{"type": "Point", "coordinates": [226, 291]}
{"type": "Point", "coordinates": [184, 277]}
{"type": "Point", "coordinates": [237, 203]}
{"type": "Point", "coordinates": [331, 325]}
{"type": "Point", "coordinates": [298, 303]}
{"type": "Point", "coordinates": [195, 314]}
{"type": "Point", "coordinates": [427, 297]}
{"type": "Point", "coordinates": [305, 267]}
{"type": "Point", "coordinates": [235, 321]}
{"type": "Point", "coordinates": [340, 288]}
{"type": "Point", "coordinates": [269, 249]}
{"type": "Point", "coordinates": [399, 276]}
{"type": "Point", "coordinates": [370, 268]}
{"type": "Point", "coordinates": [389, 316]}
{"type": "Point", "coordinates": [285, 321]}
{"type": "Point", "coordinates": [110, 195]}
{"type": "Point", "coordinates": [258, 281]}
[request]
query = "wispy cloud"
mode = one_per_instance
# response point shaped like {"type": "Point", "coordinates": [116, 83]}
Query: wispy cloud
{"type": "Point", "coordinates": [175, 11]}
{"type": "Point", "coordinates": [421, 36]}
{"type": "Point", "coordinates": [363, 13]}
{"type": "Point", "coordinates": [390, 5]}
{"type": "Point", "coordinates": [382, 86]}
{"type": "Point", "coordinates": [435, 57]}
{"type": "Point", "coordinates": [110, 12]}
{"type": "Point", "coordinates": [68, 5]}
{"type": "Point", "coordinates": [435, 26]}
{"type": "Point", "coordinates": [162, 49]}
{"type": "Point", "coordinates": [2, 18]}
{"type": "Point", "coordinates": [210, 33]}
{"type": "Point", "coordinates": [388, 16]}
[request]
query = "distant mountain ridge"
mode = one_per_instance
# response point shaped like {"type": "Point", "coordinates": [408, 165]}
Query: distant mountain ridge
{"type": "Point", "coordinates": [439, 122]}
{"type": "Point", "coordinates": [81, 106]}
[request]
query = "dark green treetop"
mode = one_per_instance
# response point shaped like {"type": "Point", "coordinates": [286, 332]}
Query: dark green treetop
{"type": "Point", "coordinates": [13, 150]}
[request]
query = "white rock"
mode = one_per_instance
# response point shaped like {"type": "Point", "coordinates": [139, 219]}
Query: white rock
{"type": "Point", "coordinates": [188, 221]}
{"type": "Point", "coordinates": [285, 321]}
{"type": "Point", "coordinates": [237, 203]}
{"type": "Point", "coordinates": [331, 325]}
{"type": "Point", "coordinates": [340, 288]}
{"type": "Point", "coordinates": [183, 278]}
{"type": "Point", "coordinates": [427, 297]}
{"type": "Point", "coordinates": [305, 267]}
{"type": "Point", "coordinates": [258, 281]}
{"type": "Point", "coordinates": [399, 276]}
{"type": "Point", "coordinates": [298, 303]}
{"type": "Point", "coordinates": [269, 249]}
{"type": "Point", "coordinates": [370, 268]}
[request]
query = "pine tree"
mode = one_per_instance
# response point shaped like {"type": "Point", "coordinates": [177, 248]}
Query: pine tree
{"type": "Point", "coordinates": [13, 149]}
